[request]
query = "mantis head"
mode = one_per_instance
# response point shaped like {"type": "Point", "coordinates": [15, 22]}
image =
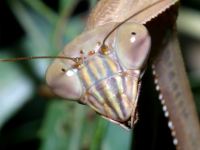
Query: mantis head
{"type": "Point", "coordinates": [107, 73]}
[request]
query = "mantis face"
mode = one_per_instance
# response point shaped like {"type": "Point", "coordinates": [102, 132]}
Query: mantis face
{"type": "Point", "coordinates": [107, 73]}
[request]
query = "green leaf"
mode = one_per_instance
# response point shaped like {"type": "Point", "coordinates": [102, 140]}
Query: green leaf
{"type": "Point", "coordinates": [38, 29]}
{"type": "Point", "coordinates": [43, 10]}
{"type": "Point", "coordinates": [66, 9]}
{"type": "Point", "coordinates": [66, 6]}
{"type": "Point", "coordinates": [62, 126]}
{"type": "Point", "coordinates": [15, 89]}
{"type": "Point", "coordinates": [99, 134]}
{"type": "Point", "coordinates": [117, 138]}
{"type": "Point", "coordinates": [35, 25]}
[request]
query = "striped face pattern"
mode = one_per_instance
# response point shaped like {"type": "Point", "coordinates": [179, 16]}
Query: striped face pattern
{"type": "Point", "coordinates": [105, 78]}
{"type": "Point", "coordinates": [110, 89]}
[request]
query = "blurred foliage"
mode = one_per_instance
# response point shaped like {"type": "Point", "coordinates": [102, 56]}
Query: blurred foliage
{"type": "Point", "coordinates": [30, 120]}
{"type": "Point", "coordinates": [189, 31]}
{"type": "Point", "coordinates": [58, 124]}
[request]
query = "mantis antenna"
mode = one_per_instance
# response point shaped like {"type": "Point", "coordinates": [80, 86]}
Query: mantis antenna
{"type": "Point", "coordinates": [75, 59]}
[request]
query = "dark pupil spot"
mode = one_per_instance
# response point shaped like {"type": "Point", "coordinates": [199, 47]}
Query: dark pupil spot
{"type": "Point", "coordinates": [63, 70]}
{"type": "Point", "coordinates": [133, 33]}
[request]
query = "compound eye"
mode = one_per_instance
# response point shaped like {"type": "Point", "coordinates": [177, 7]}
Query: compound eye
{"type": "Point", "coordinates": [132, 45]}
{"type": "Point", "coordinates": [63, 81]}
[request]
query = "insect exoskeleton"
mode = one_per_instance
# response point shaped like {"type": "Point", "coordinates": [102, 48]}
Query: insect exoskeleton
{"type": "Point", "coordinates": [107, 76]}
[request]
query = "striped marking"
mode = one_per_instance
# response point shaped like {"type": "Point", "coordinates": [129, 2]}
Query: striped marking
{"type": "Point", "coordinates": [121, 97]}
{"type": "Point", "coordinates": [110, 92]}
{"type": "Point", "coordinates": [112, 100]}
{"type": "Point", "coordinates": [99, 97]}
{"type": "Point", "coordinates": [97, 69]}
{"type": "Point", "coordinates": [93, 67]}
{"type": "Point", "coordinates": [101, 67]}
{"type": "Point", "coordinates": [87, 77]}
{"type": "Point", "coordinates": [96, 105]}
{"type": "Point", "coordinates": [112, 66]}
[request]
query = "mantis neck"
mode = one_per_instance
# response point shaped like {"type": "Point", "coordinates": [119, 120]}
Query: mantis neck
{"type": "Point", "coordinates": [170, 76]}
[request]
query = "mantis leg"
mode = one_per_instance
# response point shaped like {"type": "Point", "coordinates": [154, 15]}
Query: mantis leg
{"type": "Point", "coordinates": [175, 93]}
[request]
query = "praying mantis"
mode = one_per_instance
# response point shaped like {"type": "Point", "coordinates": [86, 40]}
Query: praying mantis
{"type": "Point", "coordinates": [167, 64]}
{"type": "Point", "coordinates": [123, 15]}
